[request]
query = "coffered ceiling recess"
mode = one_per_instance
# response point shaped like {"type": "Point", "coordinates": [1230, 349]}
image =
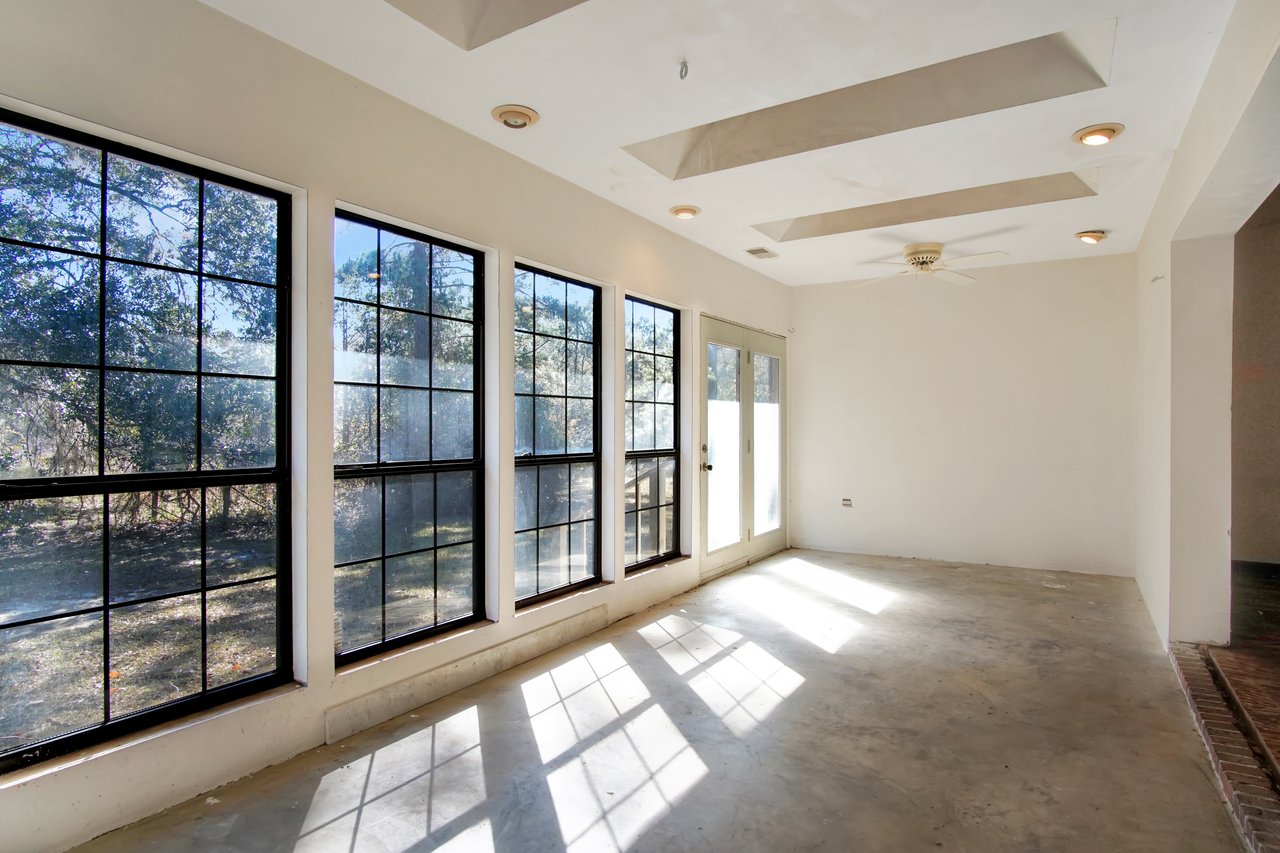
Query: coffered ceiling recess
{"type": "Point", "coordinates": [829, 132]}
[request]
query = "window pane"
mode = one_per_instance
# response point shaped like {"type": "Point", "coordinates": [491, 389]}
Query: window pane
{"type": "Point", "coordinates": [549, 424]}
{"type": "Point", "coordinates": [524, 363]}
{"type": "Point", "coordinates": [524, 426]}
{"type": "Point", "coordinates": [452, 424]}
{"type": "Point", "coordinates": [582, 551]}
{"type": "Point", "coordinates": [150, 423]}
{"type": "Point", "coordinates": [240, 234]}
{"type": "Point", "coordinates": [50, 557]}
{"type": "Point", "coordinates": [768, 442]}
{"type": "Point", "coordinates": [581, 426]}
{"type": "Point", "coordinates": [355, 423]}
{"type": "Point", "coordinates": [452, 354]}
{"type": "Point", "coordinates": [548, 305]}
{"type": "Point", "coordinates": [643, 377]}
{"type": "Point", "coordinates": [155, 543]}
{"type": "Point", "coordinates": [524, 300]}
{"type": "Point", "coordinates": [64, 659]}
{"type": "Point", "coordinates": [664, 427]}
{"type": "Point", "coordinates": [667, 530]}
{"type": "Point", "coordinates": [406, 349]}
{"type": "Point", "coordinates": [526, 498]}
{"type": "Point", "coordinates": [667, 477]}
{"type": "Point", "coordinates": [155, 653]}
{"type": "Point", "coordinates": [526, 564]}
{"type": "Point", "coordinates": [411, 592]}
{"type": "Point", "coordinates": [647, 547]}
{"type": "Point", "coordinates": [643, 414]}
{"type": "Point", "coordinates": [48, 422]}
{"type": "Point", "coordinates": [582, 490]}
{"type": "Point", "coordinates": [151, 318]}
{"type": "Point", "coordinates": [629, 482]}
{"type": "Point", "coordinates": [239, 423]}
{"type": "Point", "coordinates": [548, 359]}
{"type": "Point", "coordinates": [239, 332]}
{"type": "Point", "coordinates": [152, 213]}
{"type": "Point", "coordinates": [242, 632]}
{"type": "Point", "coordinates": [630, 542]}
{"type": "Point", "coordinates": [52, 190]}
{"type": "Point", "coordinates": [664, 379]}
{"type": "Point", "coordinates": [357, 519]}
{"type": "Point", "coordinates": [455, 578]}
{"type": "Point", "coordinates": [240, 532]}
{"type": "Point", "coordinates": [406, 264]}
{"type": "Point", "coordinates": [553, 494]}
{"type": "Point", "coordinates": [355, 261]}
{"type": "Point", "coordinates": [581, 312]}
{"type": "Point", "coordinates": [724, 480]}
{"type": "Point", "coordinates": [355, 342]}
{"type": "Point", "coordinates": [646, 483]}
{"type": "Point", "coordinates": [48, 305]}
{"type": "Point", "coordinates": [453, 283]}
{"type": "Point", "coordinates": [553, 557]}
{"type": "Point", "coordinates": [664, 325]}
{"type": "Point", "coordinates": [410, 513]}
{"type": "Point", "coordinates": [406, 416]}
{"type": "Point", "coordinates": [357, 616]}
{"type": "Point", "coordinates": [642, 332]}
{"type": "Point", "coordinates": [580, 365]}
{"type": "Point", "coordinates": [455, 507]}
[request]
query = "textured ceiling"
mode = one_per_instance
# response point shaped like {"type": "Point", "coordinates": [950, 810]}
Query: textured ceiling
{"type": "Point", "coordinates": [604, 76]}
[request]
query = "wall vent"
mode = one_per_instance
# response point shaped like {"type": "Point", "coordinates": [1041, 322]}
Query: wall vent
{"type": "Point", "coordinates": [762, 252]}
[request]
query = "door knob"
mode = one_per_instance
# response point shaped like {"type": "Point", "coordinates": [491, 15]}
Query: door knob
{"type": "Point", "coordinates": [706, 466]}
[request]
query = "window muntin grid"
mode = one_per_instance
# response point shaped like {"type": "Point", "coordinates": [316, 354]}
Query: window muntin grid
{"type": "Point", "coordinates": [557, 333]}
{"type": "Point", "coordinates": [143, 438]}
{"type": "Point", "coordinates": [651, 510]}
{"type": "Point", "coordinates": [407, 426]}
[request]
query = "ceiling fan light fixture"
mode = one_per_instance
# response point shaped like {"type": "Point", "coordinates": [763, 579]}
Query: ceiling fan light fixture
{"type": "Point", "coordinates": [685, 211]}
{"type": "Point", "coordinates": [514, 116]}
{"type": "Point", "coordinates": [1093, 238]}
{"type": "Point", "coordinates": [1098, 134]}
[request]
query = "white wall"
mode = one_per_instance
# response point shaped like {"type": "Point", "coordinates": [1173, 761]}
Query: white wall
{"type": "Point", "coordinates": [1246, 50]}
{"type": "Point", "coordinates": [180, 74]}
{"type": "Point", "coordinates": [990, 423]}
{"type": "Point", "coordinates": [1200, 440]}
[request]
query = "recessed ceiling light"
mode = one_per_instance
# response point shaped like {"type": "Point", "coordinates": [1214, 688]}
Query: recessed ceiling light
{"type": "Point", "coordinates": [1098, 134]}
{"type": "Point", "coordinates": [685, 211]}
{"type": "Point", "coordinates": [515, 116]}
{"type": "Point", "coordinates": [1091, 237]}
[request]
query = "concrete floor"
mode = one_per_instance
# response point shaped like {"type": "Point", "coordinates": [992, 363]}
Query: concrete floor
{"type": "Point", "coordinates": [811, 702]}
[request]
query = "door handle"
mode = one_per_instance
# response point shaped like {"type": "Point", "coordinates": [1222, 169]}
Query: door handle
{"type": "Point", "coordinates": [706, 466]}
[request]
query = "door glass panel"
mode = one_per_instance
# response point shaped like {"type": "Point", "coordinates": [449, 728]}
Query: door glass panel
{"type": "Point", "coordinates": [724, 479]}
{"type": "Point", "coordinates": [767, 416]}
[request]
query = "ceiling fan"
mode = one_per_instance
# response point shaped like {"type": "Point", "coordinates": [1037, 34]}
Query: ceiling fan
{"type": "Point", "coordinates": [926, 259]}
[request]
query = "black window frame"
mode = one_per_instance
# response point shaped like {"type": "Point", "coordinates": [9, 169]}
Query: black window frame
{"type": "Point", "coordinates": [105, 485]}
{"type": "Point", "coordinates": [656, 454]}
{"type": "Point", "coordinates": [595, 457]}
{"type": "Point", "coordinates": [381, 471]}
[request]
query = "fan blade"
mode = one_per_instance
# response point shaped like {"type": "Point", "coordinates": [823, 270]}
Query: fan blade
{"type": "Point", "coordinates": [970, 260]}
{"type": "Point", "coordinates": [887, 263]}
{"type": "Point", "coordinates": [953, 277]}
{"type": "Point", "coordinates": [882, 278]}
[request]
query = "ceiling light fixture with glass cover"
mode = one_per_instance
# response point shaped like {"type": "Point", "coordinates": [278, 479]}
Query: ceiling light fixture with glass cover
{"type": "Point", "coordinates": [515, 116]}
{"type": "Point", "coordinates": [1098, 134]}
{"type": "Point", "coordinates": [685, 211]}
{"type": "Point", "coordinates": [1093, 238]}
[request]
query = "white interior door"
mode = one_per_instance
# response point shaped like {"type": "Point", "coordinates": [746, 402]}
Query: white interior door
{"type": "Point", "coordinates": [742, 445]}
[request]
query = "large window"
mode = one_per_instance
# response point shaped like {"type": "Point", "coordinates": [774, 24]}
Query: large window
{"type": "Point", "coordinates": [557, 427]}
{"type": "Point", "coordinates": [407, 436]}
{"type": "Point", "coordinates": [651, 500]}
{"type": "Point", "coordinates": [144, 521]}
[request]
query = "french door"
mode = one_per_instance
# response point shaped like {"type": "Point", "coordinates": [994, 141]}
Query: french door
{"type": "Point", "coordinates": [742, 464]}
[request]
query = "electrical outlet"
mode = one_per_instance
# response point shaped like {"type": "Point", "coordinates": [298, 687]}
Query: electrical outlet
{"type": "Point", "coordinates": [846, 502]}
